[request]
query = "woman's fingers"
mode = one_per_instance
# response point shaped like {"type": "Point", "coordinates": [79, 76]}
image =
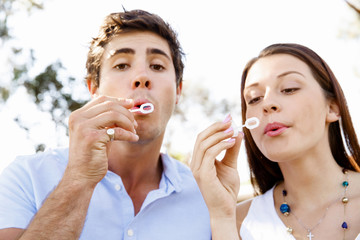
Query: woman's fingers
{"type": "Point", "coordinates": [232, 153]}
{"type": "Point", "coordinates": [210, 143]}
{"type": "Point", "coordinates": [212, 152]}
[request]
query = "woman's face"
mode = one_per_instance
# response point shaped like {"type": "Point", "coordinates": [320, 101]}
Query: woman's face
{"type": "Point", "coordinates": [294, 114]}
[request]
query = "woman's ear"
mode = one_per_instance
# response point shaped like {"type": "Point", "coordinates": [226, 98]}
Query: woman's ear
{"type": "Point", "coordinates": [333, 114]}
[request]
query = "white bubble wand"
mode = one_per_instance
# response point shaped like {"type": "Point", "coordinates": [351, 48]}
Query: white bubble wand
{"type": "Point", "coordinates": [250, 123]}
{"type": "Point", "coordinates": [145, 108]}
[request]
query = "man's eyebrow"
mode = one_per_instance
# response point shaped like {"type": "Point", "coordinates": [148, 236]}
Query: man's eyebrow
{"type": "Point", "coordinates": [122, 50]}
{"type": "Point", "coordinates": [150, 51]}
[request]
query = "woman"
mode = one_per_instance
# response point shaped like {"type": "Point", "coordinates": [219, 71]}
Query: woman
{"type": "Point", "coordinates": [304, 157]}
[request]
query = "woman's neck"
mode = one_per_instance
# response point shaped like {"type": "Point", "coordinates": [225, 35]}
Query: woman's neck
{"type": "Point", "coordinates": [312, 179]}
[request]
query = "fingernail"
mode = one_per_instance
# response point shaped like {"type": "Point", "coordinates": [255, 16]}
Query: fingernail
{"type": "Point", "coordinates": [228, 130]}
{"type": "Point", "coordinates": [127, 100]}
{"type": "Point", "coordinates": [231, 140]}
{"type": "Point", "coordinates": [227, 119]}
{"type": "Point", "coordinates": [135, 124]}
{"type": "Point", "coordinates": [242, 133]}
{"type": "Point", "coordinates": [136, 137]}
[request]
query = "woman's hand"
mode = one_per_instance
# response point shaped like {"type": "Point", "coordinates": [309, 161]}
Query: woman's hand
{"type": "Point", "coordinates": [218, 180]}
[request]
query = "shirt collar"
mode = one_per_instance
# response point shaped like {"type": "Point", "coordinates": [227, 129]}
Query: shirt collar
{"type": "Point", "coordinates": [171, 172]}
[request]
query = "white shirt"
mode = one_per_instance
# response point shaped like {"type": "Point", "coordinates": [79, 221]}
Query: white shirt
{"type": "Point", "coordinates": [256, 223]}
{"type": "Point", "coordinates": [262, 221]}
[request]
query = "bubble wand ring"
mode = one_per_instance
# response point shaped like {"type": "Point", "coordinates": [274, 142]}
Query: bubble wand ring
{"type": "Point", "coordinates": [250, 123]}
{"type": "Point", "coordinates": [145, 108]}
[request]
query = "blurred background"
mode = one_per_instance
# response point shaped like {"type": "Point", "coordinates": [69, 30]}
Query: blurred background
{"type": "Point", "coordinates": [44, 43]}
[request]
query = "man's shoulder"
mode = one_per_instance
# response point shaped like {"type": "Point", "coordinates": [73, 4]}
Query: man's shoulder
{"type": "Point", "coordinates": [178, 173]}
{"type": "Point", "coordinates": [48, 158]}
{"type": "Point", "coordinates": [171, 162]}
{"type": "Point", "coordinates": [51, 153]}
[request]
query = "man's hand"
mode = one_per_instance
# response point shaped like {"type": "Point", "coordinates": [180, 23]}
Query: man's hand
{"type": "Point", "coordinates": [88, 160]}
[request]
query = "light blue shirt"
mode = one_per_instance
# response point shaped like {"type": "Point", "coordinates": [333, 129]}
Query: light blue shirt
{"type": "Point", "coordinates": [174, 211]}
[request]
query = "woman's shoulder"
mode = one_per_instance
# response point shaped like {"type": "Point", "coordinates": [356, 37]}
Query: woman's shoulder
{"type": "Point", "coordinates": [242, 210]}
{"type": "Point", "coordinates": [354, 184]}
{"type": "Point", "coordinates": [354, 181]}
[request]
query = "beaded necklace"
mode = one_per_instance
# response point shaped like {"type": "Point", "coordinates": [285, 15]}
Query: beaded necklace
{"type": "Point", "coordinates": [285, 210]}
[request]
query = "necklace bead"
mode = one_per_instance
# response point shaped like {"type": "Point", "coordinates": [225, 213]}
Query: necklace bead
{"type": "Point", "coordinates": [285, 209]}
{"type": "Point", "coordinates": [344, 225]}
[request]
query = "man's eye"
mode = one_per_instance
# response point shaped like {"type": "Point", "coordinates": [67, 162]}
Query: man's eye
{"type": "Point", "coordinates": [121, 66]}
{"type": "Point", "coordinates": [254, 100]}
{"type": "Point", "coordinates": [157, 67]}
{"type": "Point", "coordinates": [289, 90]}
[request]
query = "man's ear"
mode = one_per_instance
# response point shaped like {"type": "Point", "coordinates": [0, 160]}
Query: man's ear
{"type": "Point", "coordinates": [333, 114]}
{"type": "Point", "coordinates": [91, 86]}
{"type": "Point", "coordinates": [178, 92]}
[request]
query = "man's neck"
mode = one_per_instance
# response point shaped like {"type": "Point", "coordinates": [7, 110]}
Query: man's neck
{"type": "Point", "coordinates": [139, 166]}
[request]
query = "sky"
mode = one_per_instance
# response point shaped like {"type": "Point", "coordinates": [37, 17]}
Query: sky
{"type": "Point", "coordinates": [218, 38]}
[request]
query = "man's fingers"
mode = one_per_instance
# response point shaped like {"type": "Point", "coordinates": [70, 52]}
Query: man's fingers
{"type": "Point", "coordinates": [119, 134]}
{"type": "Point", "coordinates": [106, 104]}
{"type": "Point", "coordinates": [112, 119]}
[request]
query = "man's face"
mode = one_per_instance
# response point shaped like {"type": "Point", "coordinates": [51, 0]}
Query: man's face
{"type": "Point", "coordinates": [139, 66]}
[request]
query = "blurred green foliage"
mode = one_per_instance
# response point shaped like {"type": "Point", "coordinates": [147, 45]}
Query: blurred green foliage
{"type": "Point", "coordinates": [51, 92]}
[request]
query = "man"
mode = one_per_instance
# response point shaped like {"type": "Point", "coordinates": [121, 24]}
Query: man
{"type": "Point", "coordinates": [112, 185]}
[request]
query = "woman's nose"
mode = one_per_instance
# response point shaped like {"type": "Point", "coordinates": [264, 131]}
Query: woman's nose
{"type": "Point", "coordinates": [270, 105]}
{"type": "Point", "coordinates": [271, 108]}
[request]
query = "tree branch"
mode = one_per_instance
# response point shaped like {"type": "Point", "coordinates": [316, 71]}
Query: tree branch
{"type": "Point", "coordinates": [353, 6]}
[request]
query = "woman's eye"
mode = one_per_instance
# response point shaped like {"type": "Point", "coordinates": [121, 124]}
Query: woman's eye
{"type": "Point", "coordinates": [157, 67]}
{"type": "Point", "coordinates": [254, 100]}
{"type": "Point", "coordinates": [122, 66]}
{"type": "Point", "coordinates": [289, 90]}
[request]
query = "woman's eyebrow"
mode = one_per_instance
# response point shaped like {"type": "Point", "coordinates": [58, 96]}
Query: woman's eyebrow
{"type": "Point", "coordinates": [289, 72]}
{"type": "Point", "coordinates": [279, 76]}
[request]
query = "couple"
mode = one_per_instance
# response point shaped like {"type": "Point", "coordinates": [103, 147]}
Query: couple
{"type": "Point", "coordinates": [113, 182]}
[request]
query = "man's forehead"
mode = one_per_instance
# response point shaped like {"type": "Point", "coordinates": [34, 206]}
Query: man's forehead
{"type": "Point", "coordinates": [137, 41]}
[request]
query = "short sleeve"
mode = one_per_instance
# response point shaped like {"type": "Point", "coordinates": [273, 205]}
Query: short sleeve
{"type": "Point", "coordinates": [17, 206]}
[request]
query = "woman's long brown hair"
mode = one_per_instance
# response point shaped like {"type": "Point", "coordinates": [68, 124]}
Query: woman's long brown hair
{"type": "Point", "coordinates": [265, 173]}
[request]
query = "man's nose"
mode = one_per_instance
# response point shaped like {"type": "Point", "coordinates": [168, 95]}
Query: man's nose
{"type": "Point", "coordinates": [141, 80]}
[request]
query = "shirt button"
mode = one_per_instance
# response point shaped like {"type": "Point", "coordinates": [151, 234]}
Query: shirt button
{"type": "Point", "coordinates": [117, 187]}
{"type": "Point", "coordinates": [130, 232]}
